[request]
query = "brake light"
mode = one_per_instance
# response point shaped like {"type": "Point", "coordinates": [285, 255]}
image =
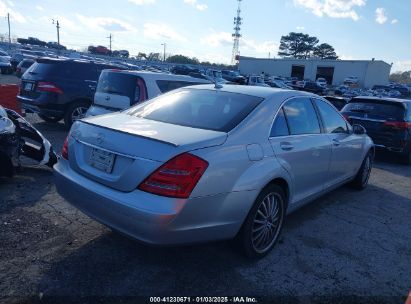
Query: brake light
{"type": "Point", "coordinates": [177, 177]}
{"type": "Point", "coordinates": [64, 150]}
{"type": "Point", "coordinates": [398, 124]}
{"type": "Point", "coordinates": [347, 117]}
{"type": "Point", "coordinates": [48, 87]}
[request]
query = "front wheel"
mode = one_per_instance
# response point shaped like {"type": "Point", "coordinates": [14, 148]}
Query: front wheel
{"type": "Point", "coordinates": [263, 225]}
{"type": "Point", "coordinates": [360, 181]}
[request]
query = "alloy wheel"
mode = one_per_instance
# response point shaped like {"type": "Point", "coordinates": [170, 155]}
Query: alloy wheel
{"type": "Point", "coordinates": [78, 113]}
{"type": "Point", "coordinates": [267, 222]}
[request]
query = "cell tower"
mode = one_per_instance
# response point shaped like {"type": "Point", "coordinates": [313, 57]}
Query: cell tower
{"type": "Point", "coordinates": [237, 27]}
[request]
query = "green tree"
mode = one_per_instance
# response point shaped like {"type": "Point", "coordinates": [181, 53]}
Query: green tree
{"type": "Point", "coordinates": [181, 59]}
{"type": "Point", "coordinates": [325, 51]}
{"type": "Point", "coordinates": [297, 45]}
{"type": "Point", "coordinates": [401, 77]}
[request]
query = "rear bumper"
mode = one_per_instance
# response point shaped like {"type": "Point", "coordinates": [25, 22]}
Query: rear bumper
{"type": "Point", "coordinates": [149, 218]}
{"type": "Point", "coordinates": [35, 106]}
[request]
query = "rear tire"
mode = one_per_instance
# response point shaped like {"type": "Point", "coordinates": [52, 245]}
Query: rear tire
{"type": "Point", "coordinates": [76, 110]}
{"type": "Point", "coordinates": [49, 118]}
{"type": "Point", "coordinates": [360, 181]}
{"type": "Point", "coordinates": [262, 227]}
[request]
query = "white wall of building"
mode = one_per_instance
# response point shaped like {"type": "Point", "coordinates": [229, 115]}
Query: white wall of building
{"type": "Point", "coordinates": [369, 72]}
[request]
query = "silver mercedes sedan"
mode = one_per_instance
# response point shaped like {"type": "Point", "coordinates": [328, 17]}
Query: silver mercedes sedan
{"type": "Point", "coordinates": [208, 163]}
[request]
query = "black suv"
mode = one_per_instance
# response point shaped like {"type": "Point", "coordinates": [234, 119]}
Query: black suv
{"type": "Point", "coordinates": [387, 121]}
{"type": "Point", "coordinates": [58, 89]}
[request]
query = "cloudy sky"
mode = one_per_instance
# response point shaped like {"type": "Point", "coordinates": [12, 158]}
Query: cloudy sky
{"type": "Point", "coordinates": [358, 29]}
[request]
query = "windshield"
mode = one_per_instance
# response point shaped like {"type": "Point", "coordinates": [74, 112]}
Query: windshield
{"type": "Point", "coordinates": [203, 109]}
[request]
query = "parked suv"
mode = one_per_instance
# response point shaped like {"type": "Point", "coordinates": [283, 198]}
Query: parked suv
{"type": "Point", "coordinates": [387, 121]}
{"type": "Point", "coordinates": [58, 89]}
{"type": "Point", "coordinates": [119, 90]}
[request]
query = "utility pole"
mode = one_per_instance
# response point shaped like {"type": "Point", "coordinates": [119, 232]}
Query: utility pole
{"type": "Point", "coordinates": [58, 30]}
{"type": "Point", "coordinates": [110, 37]}
{"type": "Point", "coordinates": [8, 22]}
{"type": "Point", "coordinates": [164, 52]}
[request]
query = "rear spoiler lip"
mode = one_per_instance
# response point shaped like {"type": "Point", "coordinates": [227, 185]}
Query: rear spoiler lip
{"type": "Point", "coordinates": [137, 135]}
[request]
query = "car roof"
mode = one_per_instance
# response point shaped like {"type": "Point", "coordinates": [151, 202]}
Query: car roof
{"type": "Point", "coordinates": [159, 76]}
{"type": "Point", "coordinates": [262, 92]}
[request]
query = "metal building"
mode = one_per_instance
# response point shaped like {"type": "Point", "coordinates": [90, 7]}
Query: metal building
{"type": "Point", "coordinates": [369, 72]}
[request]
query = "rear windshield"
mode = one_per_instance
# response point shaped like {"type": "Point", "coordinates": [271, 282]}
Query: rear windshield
{"type": "Point", "coordinates": [42, 68]}
{"type": "Point", "coordinates": [203, 109]}
{"type": "Point", "coordinates": [377, 109]}
{"type": "Point", "coordinates": [118, 84]}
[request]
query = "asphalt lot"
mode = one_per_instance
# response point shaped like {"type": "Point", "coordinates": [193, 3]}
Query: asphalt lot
{"type": "Point", "coordinates": [348, 243]}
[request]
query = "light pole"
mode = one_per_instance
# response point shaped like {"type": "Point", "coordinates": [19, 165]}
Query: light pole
{"type": "Point", "coordinates": [164, 53]}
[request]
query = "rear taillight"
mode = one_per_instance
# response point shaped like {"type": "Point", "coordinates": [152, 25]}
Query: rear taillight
{"type": "Point", "coordinates": [64, 150]}
{"type": "Point", "coordinates": [347, 117]}
{"type": "Point", "coordinates": [177, 177]}
{"type": "Point", "coordinates": [402, 125]}
{"type": "Point", "coordinates": [48, 87]}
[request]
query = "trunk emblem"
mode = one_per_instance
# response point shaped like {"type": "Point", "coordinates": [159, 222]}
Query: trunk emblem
{"type": "Point", "coordinates": [100, 138]}
{"type": "Point", "coordinates": [107, 97]}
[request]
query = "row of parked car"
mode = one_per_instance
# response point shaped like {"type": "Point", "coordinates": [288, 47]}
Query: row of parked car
{"type": "Point", "coordinates": [154, 170]}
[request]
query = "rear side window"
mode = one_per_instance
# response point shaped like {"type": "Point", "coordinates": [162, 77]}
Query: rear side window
{"type": "Point", "coordinates": [119, 84]}
{"type": "Point", "coordinates": [280, 127]}
{"type": "Point", "coordinates": [377, 109]}
{"type": "Point", "coordinates": [333, 122]}
{"type": "Point", "coordinates": [202, 109]}
{"type": "Point", "coordinates": [169, 85]}
{"type": "Point", "coordinates": [301, 117]}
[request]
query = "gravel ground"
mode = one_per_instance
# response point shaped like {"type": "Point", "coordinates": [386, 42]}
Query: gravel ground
{"type": "Point", "coordinates": [347, 244]}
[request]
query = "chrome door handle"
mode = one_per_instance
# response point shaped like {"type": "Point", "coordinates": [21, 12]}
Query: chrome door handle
{"type": "Point", "coordinates": [336, 142]}
{"type": "Point", "coordinates": [286, 146]}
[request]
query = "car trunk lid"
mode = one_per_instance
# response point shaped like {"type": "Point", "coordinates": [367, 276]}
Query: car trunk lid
{"type": "Point", "coordinates": [120, 150]}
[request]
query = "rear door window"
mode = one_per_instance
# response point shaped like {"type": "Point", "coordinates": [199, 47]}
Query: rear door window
{"type": "Point", "coordinates": [377, 109]}
{"type": "Point", "coordinates": [333, 121]}
{"type": "Point", "coordinates": [301, 117]}
{"type": "Point", "coordinates": [169, 85]}
{"type": "Point", "coordinates": [203, 109]}
{"type": "Point", "coordinates": [280, 127]}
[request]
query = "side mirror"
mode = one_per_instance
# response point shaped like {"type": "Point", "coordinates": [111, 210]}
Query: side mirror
{"type": "Point", "coordinates": [359, 130]}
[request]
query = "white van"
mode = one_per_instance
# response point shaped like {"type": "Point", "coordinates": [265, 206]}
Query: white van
{"type": "Point", "coordinates": [118, 90]}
